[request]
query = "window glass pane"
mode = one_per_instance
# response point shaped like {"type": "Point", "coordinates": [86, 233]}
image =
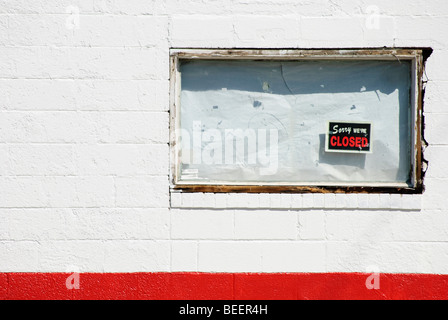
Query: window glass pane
{"type": "Point", "coordinates": [266, 121]}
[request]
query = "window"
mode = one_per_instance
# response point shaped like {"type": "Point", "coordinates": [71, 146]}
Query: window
{"type": "Point", "coordinates": [296, 120]}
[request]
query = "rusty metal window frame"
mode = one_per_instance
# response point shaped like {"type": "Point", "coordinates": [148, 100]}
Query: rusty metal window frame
{"type": "Point", "coordinates": [415, 55]}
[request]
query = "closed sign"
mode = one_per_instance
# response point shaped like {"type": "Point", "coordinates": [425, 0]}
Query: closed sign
{"type": "Point", "coordinates": [349, 137]}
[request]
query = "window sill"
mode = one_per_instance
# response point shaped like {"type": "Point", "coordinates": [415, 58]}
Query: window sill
{"type": "Point", "coordinates": [408, 202]}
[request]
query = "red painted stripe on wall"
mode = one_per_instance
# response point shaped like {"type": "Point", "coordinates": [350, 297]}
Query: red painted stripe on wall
{"type": "Point", "coordinates": [221, 286]}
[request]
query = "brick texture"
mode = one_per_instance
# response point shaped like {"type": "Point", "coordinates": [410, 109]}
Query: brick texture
{"type": "Point", "coordinates": [84, 155]}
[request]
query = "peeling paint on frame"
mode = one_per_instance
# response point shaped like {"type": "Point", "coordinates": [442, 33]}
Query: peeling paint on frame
{"type": "Point", "coordinates": [417, 55]}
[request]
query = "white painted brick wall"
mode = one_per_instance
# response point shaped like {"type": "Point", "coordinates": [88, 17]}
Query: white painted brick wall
{"type": "Point", "coordinates": [84, 157]}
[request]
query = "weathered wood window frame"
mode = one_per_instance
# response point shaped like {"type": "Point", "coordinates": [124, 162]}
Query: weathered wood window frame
{"type": "Point", "coordinates": [416, 56]}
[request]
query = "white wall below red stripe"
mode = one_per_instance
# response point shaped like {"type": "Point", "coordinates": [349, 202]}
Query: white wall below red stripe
{"type": "Point", "coordinates": [84, 157]}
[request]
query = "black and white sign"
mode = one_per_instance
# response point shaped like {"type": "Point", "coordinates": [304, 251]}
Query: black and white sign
{"type": "Point", "coordinates": [349, 137]}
